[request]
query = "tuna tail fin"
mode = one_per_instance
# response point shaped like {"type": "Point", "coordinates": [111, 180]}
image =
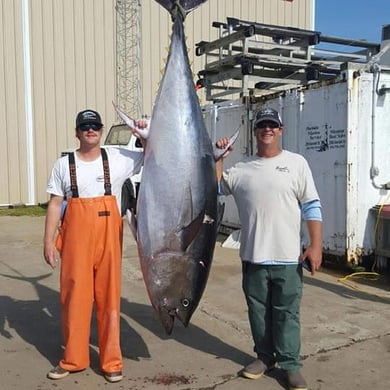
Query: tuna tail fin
{"type": "Point", "coordinates": [184, 6]}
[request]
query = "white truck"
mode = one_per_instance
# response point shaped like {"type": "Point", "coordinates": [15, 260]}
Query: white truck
{"type": "Point", "coordinates": [121, 136]}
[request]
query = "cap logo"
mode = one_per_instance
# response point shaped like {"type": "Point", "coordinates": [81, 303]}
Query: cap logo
{"type": "Point", "coordinates": [89, 115]}
{"type": "Point", "coordinates": [267, 111]}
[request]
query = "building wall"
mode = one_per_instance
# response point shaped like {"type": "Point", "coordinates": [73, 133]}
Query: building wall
{"type": "Point", "coordinates": [72, 67]}
{"type": "Point", "coordinates": [58, 57]}
{"type": "Point", "coordinates": [13, 173]}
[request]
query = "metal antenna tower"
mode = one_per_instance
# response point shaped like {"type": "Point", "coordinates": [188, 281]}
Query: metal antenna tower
{"type": "Point", "coordinates": [128, 56]}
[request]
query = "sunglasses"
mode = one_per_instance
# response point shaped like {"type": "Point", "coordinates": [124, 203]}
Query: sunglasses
{"type": "Point", "coordinates": [271, 125]}
{"type": "Point", "coordinates": [87, 126]}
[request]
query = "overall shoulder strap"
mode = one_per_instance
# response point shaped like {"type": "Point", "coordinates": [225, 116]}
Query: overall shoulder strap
{"type": "Point", "coordinates": [106, 170]}
{"type": "Point", "coordinates": [73, 179]}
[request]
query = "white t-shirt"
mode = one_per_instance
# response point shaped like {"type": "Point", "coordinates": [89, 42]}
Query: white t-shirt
{"type": "Point", "coordinates": [268, 193]}
{"type": "Point", "coordinates": [123, 163]}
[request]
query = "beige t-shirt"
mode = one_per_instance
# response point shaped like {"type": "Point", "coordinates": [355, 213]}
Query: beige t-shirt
{"type": "Point", "coordinates": [268, 193]}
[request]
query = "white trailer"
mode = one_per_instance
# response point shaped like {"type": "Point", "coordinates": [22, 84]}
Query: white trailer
{"type": "Point", "coordinates": [342, 127]}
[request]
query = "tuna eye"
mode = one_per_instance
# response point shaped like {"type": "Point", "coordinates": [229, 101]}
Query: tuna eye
{"type": "Point", "coordinates": [185, 302]}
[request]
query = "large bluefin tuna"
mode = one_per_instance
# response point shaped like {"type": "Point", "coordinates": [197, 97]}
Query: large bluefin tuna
{"type": "Point", "coordinates": [176, 223]}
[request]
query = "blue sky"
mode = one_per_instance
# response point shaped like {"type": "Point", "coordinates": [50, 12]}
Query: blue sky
{"type": "Point", "coordinates": [355, 19]}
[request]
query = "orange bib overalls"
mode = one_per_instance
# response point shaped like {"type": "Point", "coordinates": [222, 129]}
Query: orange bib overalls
{"type": "Point", "coordinates": [90, 243]}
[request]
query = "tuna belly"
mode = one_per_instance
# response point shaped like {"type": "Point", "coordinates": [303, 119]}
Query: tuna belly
{"type": "Point", "coordinates": [171, 280]}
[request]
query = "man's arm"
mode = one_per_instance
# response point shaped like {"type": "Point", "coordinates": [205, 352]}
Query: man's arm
{"type": "Point", "coordinates": [314, 251]}
{"type": "Point", "coordinates": [219, 169]}
{"type": "Point", "coordinates": [221, 144]}
{"type": "Point", "coordinates": [51, 225]}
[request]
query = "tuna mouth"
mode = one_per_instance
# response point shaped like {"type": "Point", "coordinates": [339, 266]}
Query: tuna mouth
{"type": "Point", "coordinates": [167, 316]}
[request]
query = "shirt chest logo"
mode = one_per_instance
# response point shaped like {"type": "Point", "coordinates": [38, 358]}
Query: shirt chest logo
{"type": "Point", "coordinates": [282, 169]}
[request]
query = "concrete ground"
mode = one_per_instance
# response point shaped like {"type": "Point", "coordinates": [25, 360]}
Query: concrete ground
{"type": "Point", "coordinates": [345, 331]}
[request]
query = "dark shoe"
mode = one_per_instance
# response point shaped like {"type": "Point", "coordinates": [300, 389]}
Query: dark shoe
{"type": "Point", "coordinates": [57, 373]}
{"type": "Point", "coordinates": [113, 376]}
{"type": "Point", "coordinates": [295, 380]}
{"type": "Point", "coordinates": [256, 369]}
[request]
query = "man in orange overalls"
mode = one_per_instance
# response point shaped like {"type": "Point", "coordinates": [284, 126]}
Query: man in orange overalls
{"type": "Point", "coordinates": [90, 244]}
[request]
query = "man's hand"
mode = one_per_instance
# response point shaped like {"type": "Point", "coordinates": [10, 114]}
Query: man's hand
{"type": "Point", "coordinates": [141, 124]}
{"type": "Point", "coordinates": [222, 144]}
{"type": "Point", "coordinates": [51, 254]}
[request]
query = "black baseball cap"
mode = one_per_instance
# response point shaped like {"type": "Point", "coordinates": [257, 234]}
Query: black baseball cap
{"type": "Point", "coordinates": [88, 116]}
{"type": "Point", "coordinates": [268, 115]}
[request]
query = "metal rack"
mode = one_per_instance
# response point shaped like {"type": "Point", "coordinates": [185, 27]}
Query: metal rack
{"type": "Point", "coordinates": [255, 59]}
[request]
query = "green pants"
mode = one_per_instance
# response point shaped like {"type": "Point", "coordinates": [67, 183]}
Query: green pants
{"type": "Point", "coordinates": [273, 294]}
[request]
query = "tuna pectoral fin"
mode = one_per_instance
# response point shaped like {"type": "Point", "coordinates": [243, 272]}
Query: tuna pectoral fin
{"type": "Point", "coordinates": [218, 153]}
{"type": "Point", "coordinates": [188, 233]}
{"type": "Point", "coordinates": [132, 220]}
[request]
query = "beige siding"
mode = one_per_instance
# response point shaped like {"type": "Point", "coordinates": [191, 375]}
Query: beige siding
{"type": "Point", "coordinates": [13, 172]}
{"type": "Point", "coordinates": [72, 47]}
{"type": "Point", "coordinates": [73, 68]}
{"type": "Point", "coordinates": [72, 44]}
